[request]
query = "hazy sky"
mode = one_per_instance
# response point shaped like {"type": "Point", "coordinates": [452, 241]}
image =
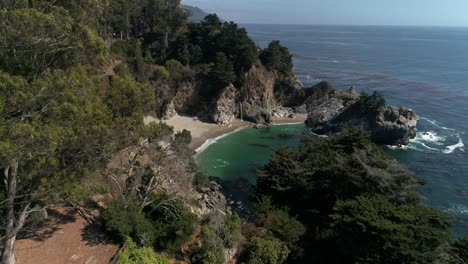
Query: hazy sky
{"type": "Point", "coordinates": [343, 12]}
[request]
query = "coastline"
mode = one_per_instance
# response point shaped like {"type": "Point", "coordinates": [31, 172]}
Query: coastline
{"type": "Point", "coordinates": [205, 134]}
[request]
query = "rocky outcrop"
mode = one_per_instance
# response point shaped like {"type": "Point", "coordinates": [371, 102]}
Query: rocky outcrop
{"type": "Point", "coordinates": [259, 101]}
{"type": "Point", "coordinates": [225, 109]}
{"type": "Point", "coordinates": [329, 110]}
{"type": "Point", "coordinates": [259, 97]}
{"type": "Point", "coordinates": [394, 126]}
{"type": "Point", "coordinates": [211, 200]}
{"type": "Point", "coordinates": [324, 103]}
{"type": "Point", "coordinates": [169, 111]}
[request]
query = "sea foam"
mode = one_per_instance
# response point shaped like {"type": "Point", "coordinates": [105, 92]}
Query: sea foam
{"type": "Point", "coordinates": [430, 137]}
{"type": "Point", "coordinates": [452, 148]}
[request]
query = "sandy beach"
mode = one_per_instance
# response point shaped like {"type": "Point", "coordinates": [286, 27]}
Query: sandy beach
{"type": "Point", "coordinates": [202, 132]}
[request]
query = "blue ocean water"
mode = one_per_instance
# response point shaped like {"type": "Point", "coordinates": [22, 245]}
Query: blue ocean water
{"type": "Point", "coordinates": [425, 69]}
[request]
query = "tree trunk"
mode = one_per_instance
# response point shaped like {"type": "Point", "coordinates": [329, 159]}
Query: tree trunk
{"type": "Point", "coordinates": [11, 175]}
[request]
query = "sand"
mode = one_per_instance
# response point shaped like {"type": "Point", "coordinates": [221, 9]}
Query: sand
{"type": "Point", "coordinates": [203, 132]}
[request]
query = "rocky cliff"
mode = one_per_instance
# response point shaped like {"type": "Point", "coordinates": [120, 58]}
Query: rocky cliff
{"type": "Point", "coordinates": [268, 93]}
{"type": "Point", "coordinates": [264, 94]}
{"type": "Point", "coordinates": [329, 110]}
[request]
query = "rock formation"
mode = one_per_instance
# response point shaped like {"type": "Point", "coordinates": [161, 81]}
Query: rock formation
{"type": "Point", "coordinates": [225, 109]}
{"type": "Point", "coordinates": [268, 93]}
{"type": "Point", "coordinates": [329, 110]}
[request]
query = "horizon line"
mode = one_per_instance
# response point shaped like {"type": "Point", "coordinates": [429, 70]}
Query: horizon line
{"type": "Point", "coordinates": [350, 25]}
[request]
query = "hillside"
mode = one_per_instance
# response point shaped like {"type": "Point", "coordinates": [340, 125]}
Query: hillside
{"type": "Point", "coordinates": [85, 156]}
{"type": "Point", "coordinates": [196, 14]}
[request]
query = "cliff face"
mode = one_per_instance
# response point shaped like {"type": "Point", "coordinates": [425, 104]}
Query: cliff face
{"type": "Point", "coordinates": [225, 108]}
{"type": "Point", "coordinates": [261, 97]}
{"type": "Point", "coordinates": [258, 100]}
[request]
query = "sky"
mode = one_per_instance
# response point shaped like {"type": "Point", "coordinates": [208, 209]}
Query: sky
{"type": "Point", "coordinates": [340, 12]}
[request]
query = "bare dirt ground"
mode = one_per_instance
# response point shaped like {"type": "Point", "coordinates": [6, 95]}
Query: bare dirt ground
{"type": "Point", "coordinates": [65, 238]}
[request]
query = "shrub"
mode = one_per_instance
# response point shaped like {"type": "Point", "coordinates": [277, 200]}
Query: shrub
{"type": "Point", "coordinates": [175, 69]}
{"type": "Point", "coordinates": [286, 228]}
{"type": "Point", "coordinates": [201, 180]}
{"type": "Point", "coordinates": [160, 73]}
{"type": "Point", "coordinates": [132, 254]}
{"type": "Point", "coordinates": [172, 221]}
{"type": "Point", "coordinates": [267, 250]}
{"type": "Point", "coordinates": [123, 219]}
{"type": "Point", "coordinates": [232, 230]}
{"type": "Point", "coordinates": [211, 250]}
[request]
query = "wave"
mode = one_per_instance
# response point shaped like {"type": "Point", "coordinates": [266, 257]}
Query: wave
{"type": "Point", "coordinates": [458, 209]}
{"type": "Point", "coordinates": [437, 139]}
{"type": "Point", "coordinates": [314, 59]}
{"type": "Point", "coordinates": [431, 136]}
{"type": "Point", "coordinates": [452, 148]}
{"type": "Point", "coordinates": [433, 122]}
{"type": "Point", "coordinates": [211, 141]}
{"type": "Point", "coordinates": [221, 163]}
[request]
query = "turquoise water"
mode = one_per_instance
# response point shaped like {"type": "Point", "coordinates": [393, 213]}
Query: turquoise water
{"type": "Point", "coordinates": [422, 68]}
{"type": "Point", "coordinates": [236, 157]}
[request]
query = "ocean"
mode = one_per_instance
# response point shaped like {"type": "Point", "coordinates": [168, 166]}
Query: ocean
{"type": "Point", "coordinates": [422, 68]}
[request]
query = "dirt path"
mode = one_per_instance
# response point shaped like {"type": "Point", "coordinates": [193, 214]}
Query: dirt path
{"type": "Point", "coordinates": [65, 238]}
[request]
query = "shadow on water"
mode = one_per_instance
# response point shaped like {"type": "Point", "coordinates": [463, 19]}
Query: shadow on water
{"type": "Point", "coordinates": [238, 194]}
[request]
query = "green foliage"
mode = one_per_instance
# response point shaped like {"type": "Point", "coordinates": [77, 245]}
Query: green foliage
{"type": "Point", "coordinates": [211, 251]}
{"type": "Point", "coordinates": [124, 219]}
{"type": "Point", "coordinates": [286, 228]}
{"type": "Point", "coordinates": [358, 205]}
{"type": "Point", "coordinates": [32, 42]}
{"type": "Point", "coordinates": [373, 229]}
{"type": "Point", "coordinates": [175, 69]}
{"type": "Point", "coordinates": [322, 171]}
{"type": "Point", "coordinates": [267, 250]}
{"type": "Point", "coordinates": [201, 180]}
{"type": "Point", "coordinates": [223, 71]}
{"type": "Point", "coordinates": [277, 57]}
{"type": "Point", "coordinates": [370, 104]}
{"type": "Point", "coordinates": [224, 45]}
{"type": "Point", "coordinates": [132, 254]}
{"type": "Point", "coordinates": [166, 223]}
{"type": "Point", "coordinates": [138, 63]}
{"type": "Point", "coordinates": [183, 138]}
{"type": "Point", "coordinates": [122, 48]}
{"type": "Point", "coordinates": [172, 221]}
{"type": "Point", "coordinates": [54, 126]}
{"type": "Point", "coordinates": [232, 230]}
{"type": "Point", "coordinates": [160, 73]}
{"type": "Point", "coordinates": [126, 97]}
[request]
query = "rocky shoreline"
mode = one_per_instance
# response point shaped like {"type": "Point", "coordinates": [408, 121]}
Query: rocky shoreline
{"type": "Point", "coordinates": [268, 97]}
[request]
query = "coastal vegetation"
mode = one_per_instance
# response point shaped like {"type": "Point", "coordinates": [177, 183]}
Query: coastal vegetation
{"type": "Point", "coordinates": [78, 78]}
{"type": "Point", "coordinates": [356, 204]}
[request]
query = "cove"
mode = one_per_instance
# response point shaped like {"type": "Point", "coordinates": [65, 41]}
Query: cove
{"type": "Point", "coordinates": [235, 158]}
